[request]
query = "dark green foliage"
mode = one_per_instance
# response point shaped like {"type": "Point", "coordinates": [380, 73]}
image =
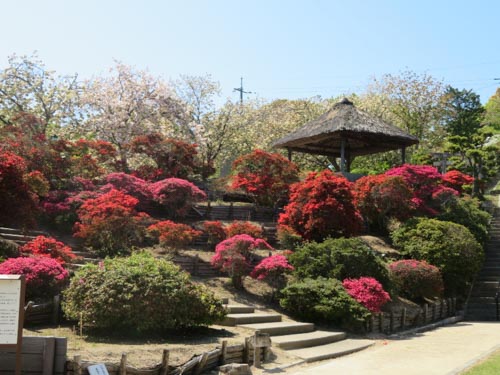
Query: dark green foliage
{"type": "Point", "coordinates": [323, 301]}
{"type": "Point", "coordinates": [140, 294]}
{"type": "Point", "coordinates": [339, 258]}
{"type": "Point", "coordinates": [467, 211]}
{"type": "Point", "coordinates": [450, 247]}
{"type": "Point", "coordinates": [8, 249]}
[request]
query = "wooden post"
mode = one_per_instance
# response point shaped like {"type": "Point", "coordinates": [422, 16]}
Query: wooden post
{"type": "Point", "coordinates": [123, 364]}
{"type": "Point", "coordinates": [426, 312]}
{"type": "Point", "coordinates": [448, 305]}
{"type": "Point", "coordinates": [403, 318]}
{"type": "Point", "coordinates": [403, 154]}
{"type": "Point", "coordinates": [342, 155]}
{"type": "Point", "coordinates": [55, 311]}
{"type": "Point", "coordinates": [289, 154]}
{"type": "Point", "coordinates": [164, 362]}
{"type": "Point", "coordinates": [256, 351]}
{"type": "Point", "coordinates": [201, 364]}
{"type": "Point", "coordinates": [246, 353]}
{"type": "Point", "coordinates": [196, 260]}
{"type": "Point", "coordinates": [441, 309]}
{"type": "Point", "coordinates": [391, 322]}
{"type": "Point", "coordinates": [77, 365]}
{"type": "Point", "coordinates": [433, 311]}
{"type": "Point", "coordinates": [223, 353]}
{"type": "Point", "coordinates": [230, 213]}
{"type": "Point", "coordinates": [381, 322]}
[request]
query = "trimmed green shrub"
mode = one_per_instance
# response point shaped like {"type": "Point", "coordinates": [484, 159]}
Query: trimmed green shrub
{"type": "Point", "coordinates": [467, 211]}
{"type": "Point", "coordinates": [140, 294]}
{"type": "Point", "coordinates": [450, 247]}
{"type": "Point", "coordinates": [340, 258]}
{"type": "Point", "coordinates": [416, 279]}
{"type": "Point", "coordinates": [8, 249]}
{"type": "Point", "coordinates": [323, 301]}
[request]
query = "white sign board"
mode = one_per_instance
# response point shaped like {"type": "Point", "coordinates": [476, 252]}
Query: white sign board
{"type": "Point", "coordinates": [99, 369]}
{"type": "Point", "coordinates": [10, 300]}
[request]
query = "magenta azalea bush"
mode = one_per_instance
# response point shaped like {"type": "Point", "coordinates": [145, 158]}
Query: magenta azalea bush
{"type": "Point", "coordinates": [272, 269]}
{"type": "Point", "coordinates": [368, 292]}
{"type": "Point", "coordinates": [176, 195]}
{"type": "Point", "coordinates": [45, 277]}
{"type": "Point", "coordinates": [415, 279]}
{"type": "Point", "coordinates": [234, 255]}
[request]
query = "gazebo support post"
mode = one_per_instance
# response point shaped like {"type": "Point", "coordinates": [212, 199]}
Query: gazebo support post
{"type": "Point", "coordinates": [342, 155]}
{"type": "Point", "coordinates": [289, 154]}
{"type": "Point", "coordinates": [403, 155]}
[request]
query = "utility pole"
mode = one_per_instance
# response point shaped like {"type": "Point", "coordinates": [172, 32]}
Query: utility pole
{"type": "Point", "coordinates": [240, 89]}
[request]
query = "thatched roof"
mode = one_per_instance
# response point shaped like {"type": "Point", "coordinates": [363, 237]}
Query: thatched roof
{"type": "Point", "coordinates": [363, 134]}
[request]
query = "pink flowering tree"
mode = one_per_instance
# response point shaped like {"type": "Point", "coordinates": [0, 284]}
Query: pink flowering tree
{"type": "Point", "coordinates": [234, 256]}
{"type": "Point", "coordinates": [176, 196]}
{"type": "Point", "coordinates": [273, 269]}
{"type": "Point", "coordinates": [368, 292]}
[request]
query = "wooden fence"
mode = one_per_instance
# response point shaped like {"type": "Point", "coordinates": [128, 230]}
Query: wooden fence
{"type": "Point", "coordinates": [243, 353]}
{"type": "Point", "coordinates": [43, 313]}
{"type": "Point", "coordinates": [40, 356]}
{"type": "Point", "coordinates": [399, 321]}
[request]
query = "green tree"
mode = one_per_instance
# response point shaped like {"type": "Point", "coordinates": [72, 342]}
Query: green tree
{"type": "Point", "coordinates": [467, 136]}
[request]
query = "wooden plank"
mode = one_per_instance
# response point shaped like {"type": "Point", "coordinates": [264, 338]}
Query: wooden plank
{"type": "Point", "coordinates": [48, 356]}
{"type": "Point", "coordinates": [61, 349]}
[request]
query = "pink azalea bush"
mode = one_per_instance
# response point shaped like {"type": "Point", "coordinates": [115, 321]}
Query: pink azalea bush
{"type": "Point", "coordinates": [176, 195]}
{"type": "Point", "coordinates": [272, 269]}
{"type": "Point", "coordinates": [233, 256]}
{"type": "Point", "coordinates": [415, 279]}
{"type": "Point", "coordinates": [368, 292]}
{"type": "Point", "coordinates": [50, 248]}
{"type": "Point", "coordinates": [45, 277]}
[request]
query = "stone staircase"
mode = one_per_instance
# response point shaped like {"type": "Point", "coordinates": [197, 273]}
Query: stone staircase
{"type": "Point", "coordinates": [481, 305]}
{"type": "Point", "coordinates": [299, 339]}
{"type": "Point", "coordinates": [19, 236]}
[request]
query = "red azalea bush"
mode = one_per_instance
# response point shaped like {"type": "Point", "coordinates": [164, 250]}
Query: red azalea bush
{"type": "Point", "coordinates": [176, 196]}
{"type": "Point", "coordinates": [215, 231]}
{"type": "Point", "coordinates": [45, 277]}
{"type": "Point", "coordinates": [265, 176]}
{"type": "Point", "coordinates": [272, 269]}
{"type": "Point", "coordinates": [233, 256]}
{"type": "Point", "coordinates": [367, 291]}
{"type": "Point", "coordinates": [109, 223]}
{"type": "Point", "coordinates": [322, 206]}
{"type": "Point", "coordinates": [457, 180]}
{"type": "Point", "coordinates": [50, 248]}
{"type": "Point", "coordinates": [382, 197]}
{"type": "Point", "coordinates": [243, 227]}
{"type": "Point", "coordinates": [415, 279]}
{"type": "Point", "coordinates": [172, 235]}
{"type": "Point", "coordinates": [18, 203]}
{"type": "Point", "coordinates": [130, 185]}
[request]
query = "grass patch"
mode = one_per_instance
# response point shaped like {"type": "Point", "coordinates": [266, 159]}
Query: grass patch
{"type": "Point", "coordinates": [490, 366]}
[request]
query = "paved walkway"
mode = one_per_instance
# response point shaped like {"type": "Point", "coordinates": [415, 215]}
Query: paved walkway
{"type": "Point", "coordinates": [443, 351]}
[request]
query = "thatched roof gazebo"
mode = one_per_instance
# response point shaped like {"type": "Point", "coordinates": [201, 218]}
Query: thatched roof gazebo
{"type": "Point", "coordinates": [346, 132]}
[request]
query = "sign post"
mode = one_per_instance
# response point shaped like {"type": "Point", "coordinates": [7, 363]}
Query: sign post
{"type": "Point", "coordinates": [12, 292]}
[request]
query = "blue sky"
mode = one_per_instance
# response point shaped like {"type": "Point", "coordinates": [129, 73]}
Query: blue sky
{"type": "Point", "coordinates": [282, 49]}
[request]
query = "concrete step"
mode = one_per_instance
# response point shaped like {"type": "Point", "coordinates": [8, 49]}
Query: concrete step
{"type": "Point", "coordinates": [239, 309]}
{"type": "Point", "coordinates": [280, 328]}
{"type": "Point", "coordinates": [305, 340]}
{"type": "Point", "coordinates": [17, 237]}
{"type": "Point", "coordinates": [238, 319]}
{"type": "Point", "coordinates": [333, 350]}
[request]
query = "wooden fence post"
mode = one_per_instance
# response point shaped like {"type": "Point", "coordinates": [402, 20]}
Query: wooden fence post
{"type": "Point", "coordinates": [246, 353]}
{"type": "Point", "coordinates": [381, 322]}
{"type": "Point", "coordinates": [230, 212]}
{"type": "Point", "coordinates": [56, 309]}
{"type": "Point", "coordinates": [426, 311]}
{"type": "Point", "coordinates": [164, 362]}
{"type": "Point", "coordinates": [403, 318]}
{"type": "Point", "coordinates": [201, 364]}
{"type": "Point", "coordinates": [123, 364]}
{"type": "Point", "coordinates": [77, 365]}
{"type": "Point", "coordinates": [441, 309]}
{"type": "Point", "coordinates": [256, 351]}
{"type": "Point", "coordinates": [433, 311]}
{"type": "Point", "coordinates": [223, 353]}
{"type": "Point", "coordinates": [196, 261]}
{"type": "Point", "coordinates": [391, 322]}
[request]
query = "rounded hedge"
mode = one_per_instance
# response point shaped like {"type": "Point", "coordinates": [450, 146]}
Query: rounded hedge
{"type": "Point", "coordinates": [416, 279]}
{"type": "Point", "coordinates": [141, 294]}
{"type": "Point", "coordinates": [450, 247]}
{"type": "Point", "coordinates": [340, 258]}
{"type": "Point", "coordinates": [324, 301]}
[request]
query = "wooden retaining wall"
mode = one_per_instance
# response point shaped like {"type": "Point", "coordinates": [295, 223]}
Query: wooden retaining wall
{"type": "Point", "coordinates": [40, 356]}
{"type": "Point", "coordinates": [399, 321]}
{"type": "Point", "coordinates": [207, 361]}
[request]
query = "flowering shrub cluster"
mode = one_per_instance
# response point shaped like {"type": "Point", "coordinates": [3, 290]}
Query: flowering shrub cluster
{"type": "Point", "coordinates": [176, 196]}
{"type": "Point", "coordinates": [215, 231]}
{"type": "Point", "coordinates": [130, 185]}
{"type": "Point", "coordinates": [264, 176]}
{"type": "Point", "coordinates": [272, 269]}
{"type": "Point", "coordinates": [381, 197]}
{"type": "Point", "coordinates": [243, 227]}
{"type": "Point", "coordinates": [457, 180]}
{"type": "Point", "coordinates": [321, 206]}
{"type": "Point", "coordinates": [48, 247]}
{"type": "Point", "coordinates": [45, 277]}
{"type": "Point", "coordinates": [367, 291]}
{"type": "Point", "coordinates": [416, 279]}
{"type": "Point", "coordinates": [233, 256]}
{"type": "Point", "coordinates": [109, 223]}
{"type": "Point", "coordinates": [172, 235]}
